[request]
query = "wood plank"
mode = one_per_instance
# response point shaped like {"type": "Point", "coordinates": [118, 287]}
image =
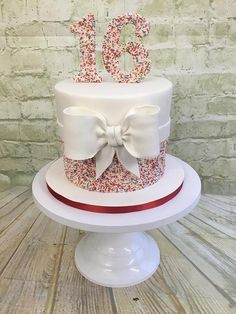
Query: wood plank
{"type": "Point", "coordinates": [74, 293]}
{"type": "Point", "coordinates": [228, 199]}
{"type": "Point", "coordinates": [176, 287]}
{"type": "Point", "coordinates": [220, 203]}
{"type": "Point", "coordinates": [22, 297]}
{"type": "Point", "coordinates": [38, 275]}
{"type": "Point", "coordinates": [221, 220]}
{"type": "Point", "coordinates": [205, 257]}
{"type": "Point", "coordinates": [12, 236]}
{"type": "Point", "coordinates": [4, 193]}
{"type": "Point", "coordinates": [42, 240]}
{"type": "Point", "coordinates": [10, 190]}
{"type": "Point", "coordinates": [220, 242]}
{"type": "Point", "coordinates": [33, 266]}
{"type": "Point", "coordinates": [10, 212]}
{"type": "Point", "coordinates": [14, 192]}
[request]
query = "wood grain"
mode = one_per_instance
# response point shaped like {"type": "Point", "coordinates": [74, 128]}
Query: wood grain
{"type": "Point", "coordinates": [75, 294]}
{"type": "Point", "coordinates": [197, 273]}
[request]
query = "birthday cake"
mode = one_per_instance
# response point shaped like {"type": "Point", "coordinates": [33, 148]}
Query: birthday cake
{"type": "Point", "coordinates": [126, 126]}
{"type": "Point", "coordinates": [114, 130]}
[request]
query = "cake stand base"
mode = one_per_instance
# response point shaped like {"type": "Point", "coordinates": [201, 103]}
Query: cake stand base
{"type": "Point", "coordinates": [117, 252]}
{"type": "Point", "coordinates": [118, 259]}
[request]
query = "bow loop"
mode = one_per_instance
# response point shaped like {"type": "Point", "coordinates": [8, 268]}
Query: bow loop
{"type": "Point", "coordinates": [86, 134]}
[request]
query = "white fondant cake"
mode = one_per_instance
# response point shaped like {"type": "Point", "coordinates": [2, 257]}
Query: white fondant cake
{"type": "Point", "coordinates": [106, 109]}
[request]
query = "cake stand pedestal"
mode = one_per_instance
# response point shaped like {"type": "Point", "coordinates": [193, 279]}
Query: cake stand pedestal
{"type": "Point", "coordinates": [116, 252]}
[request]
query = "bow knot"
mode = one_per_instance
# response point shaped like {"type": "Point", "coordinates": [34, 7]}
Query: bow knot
{"type": "Point", "coordinates": [114, 137]}
{"type": "Point", "coordinates": [86, 134]}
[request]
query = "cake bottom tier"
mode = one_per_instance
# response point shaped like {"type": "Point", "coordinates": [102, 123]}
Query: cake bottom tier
{"type": "Point", "coordinates": [116, 178]}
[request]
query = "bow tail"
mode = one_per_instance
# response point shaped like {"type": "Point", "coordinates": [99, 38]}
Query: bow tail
{"type": "Point", "coordinates": [103, 159]}
{"type": "Point", "coordinates": [128, 161]}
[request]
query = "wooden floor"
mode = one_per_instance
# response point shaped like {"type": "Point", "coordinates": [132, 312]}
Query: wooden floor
{"type": "Point", "coordinates": [197, 272]}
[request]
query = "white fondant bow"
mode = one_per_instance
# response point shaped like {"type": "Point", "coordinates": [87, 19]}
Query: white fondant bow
{"type": "Point", "coordinates": [86, 134]}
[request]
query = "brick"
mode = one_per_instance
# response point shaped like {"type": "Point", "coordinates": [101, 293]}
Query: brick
{"type": "Point", "coordinates": [221, 167]}
{"type": "Point", "coordinates": [218, 33]}
{"type": "Point", "coordinates": [82, 8]}
{"type": "Point", "coordinates": [21, 178]}
{"type": "Point", "coordinates": [44, 150]}
{"type": "Point", "coordinates": [163, 59]}
{"type": "Point", "coordinates": [9, 110]}
{"type": "Point", "coordinates": [9, 131]}
{"type": "Point", "coordinates": [151, 8]}
{"type": "Point", "coordinates": [222, 8]}
{"type": "Point", "coordinates": [28, 61]}
{"type": "Point", "coordinates": [16, 164]}
{"type": "Point", "coordinates": [204, 129]}
{"type": "Point", "coordinates": [184, 149]}
{"type": "Point", "coordinates": [25, 87]}
{"type": "Point", "coordinates": [222, 59]}
{"type": "Point", "coordinates": [5, 88]}
{"type": "Point", "coordinates": [232, 8]}
{"type": "Point", "coordinates": [232, 32]}
{"type": "Point", "coordinates": [206, 84]}
{"type": "Point", "coordinates": [38, 109]}
{"type": "Point", "coordinates": [37, 164]}
{"type": "Point", "coordinates": [54, 11]}
{"type": "Point", "coordinates": [58, 35]}
{"type": "Point", "coordinates": [5, 62]}
{"type": "Point", "coordinates": [222, 105]}
{"type": "Point", "coordinates": [191, 59]}
{"type": "Point", "coordinates": [220, 148]}
{"type": "Point", "coordinates": [189, 107]}
{"type": "Point", "coordinates": [29, 35]}
{"type": "Point", "coordinates": [105, 10]}
{"type": "Point", "coordinates": [60, 62]}
{"type": "Point", "coordinates": [195, 150]}
{"type": "Point", "coordinates": [159, 34]}
{"type": "Point", "coordinates": [186, 8]}
{"type": "Point", "coordinates": [218, 185]}
{"type": "Point", "coordinates": [191, 34]}
{"type": "Point", "coordinates": [19, 10]}
{"type": "Point", "coordinates": [38, 131]}
{"type": "Point", "coordinates": [5, 182]}
{"type": "Point", "coordinates": [14, 149]}
{"type": "Point", "coordinates": [2, 35]}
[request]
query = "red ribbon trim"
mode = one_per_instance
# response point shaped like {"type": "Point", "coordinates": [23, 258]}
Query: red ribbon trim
{"type": "Point", "coordinates": [114, 209]}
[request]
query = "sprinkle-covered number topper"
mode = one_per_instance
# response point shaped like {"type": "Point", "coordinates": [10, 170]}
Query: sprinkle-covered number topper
{"type": "Point", "coordinates": [85, 28]}
{"type": "Point", "coordinates": [112, 49]}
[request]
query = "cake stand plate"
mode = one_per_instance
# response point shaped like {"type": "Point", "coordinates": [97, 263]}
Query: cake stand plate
{"type": "Point", "coordinates": [168, 184]}
{"type": "Point", "coordinates": [116, 253]}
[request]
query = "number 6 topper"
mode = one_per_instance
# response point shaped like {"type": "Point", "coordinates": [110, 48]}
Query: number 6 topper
{"type": "Point", "coordinates": [112, 49]}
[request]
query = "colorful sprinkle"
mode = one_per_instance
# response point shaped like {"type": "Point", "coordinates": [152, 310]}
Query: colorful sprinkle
{"type": "Point", "coordinates": [112, 49]}
{"type": "Point", "coordinates": [116, 178]}
{"type": "Point", "coordinates": [85, 28]}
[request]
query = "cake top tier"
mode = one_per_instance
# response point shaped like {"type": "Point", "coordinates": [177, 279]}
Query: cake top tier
{"type": "Point", "coordinates": [111, 89]}
{"type": "Point", "coordinates": [113, 100]}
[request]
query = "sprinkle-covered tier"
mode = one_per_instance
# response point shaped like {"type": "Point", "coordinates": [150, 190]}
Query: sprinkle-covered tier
{"type": "Point", "coordinates": [116, 178]}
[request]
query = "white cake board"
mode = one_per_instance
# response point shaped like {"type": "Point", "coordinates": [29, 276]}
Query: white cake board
{"type": "Point", "coordinates": [117, 253]}
{"type": "Point", "coordinates": [167, 184]}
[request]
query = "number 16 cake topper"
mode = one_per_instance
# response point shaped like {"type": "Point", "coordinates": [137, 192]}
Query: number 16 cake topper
{"type": "Point", "coordinates": [112, 49]}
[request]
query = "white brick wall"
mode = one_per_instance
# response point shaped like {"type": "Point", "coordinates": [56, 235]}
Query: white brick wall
{"type": "Point", "coordinates": [193, 43]}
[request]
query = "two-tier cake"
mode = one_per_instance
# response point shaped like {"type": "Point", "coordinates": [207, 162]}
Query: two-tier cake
{"type": "Point", "coordinates": [115, 140]}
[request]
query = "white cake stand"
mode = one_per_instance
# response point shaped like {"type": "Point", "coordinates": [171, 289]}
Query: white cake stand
{"type": "Point", "coordinates": [116, 252]}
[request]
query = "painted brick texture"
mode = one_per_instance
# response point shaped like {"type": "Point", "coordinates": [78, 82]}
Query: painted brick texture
{"type": "Point", "coordinates": [192, 43]}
